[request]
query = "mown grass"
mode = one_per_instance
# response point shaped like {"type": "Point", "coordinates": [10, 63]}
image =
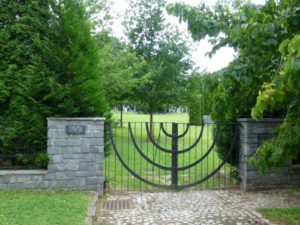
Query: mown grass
{"type": "Point", "coordinates": [283, 216]}
{"type": "Point", "coordinates": [120, 179]}
{"type": "Point", "coordinates": [43, 208]}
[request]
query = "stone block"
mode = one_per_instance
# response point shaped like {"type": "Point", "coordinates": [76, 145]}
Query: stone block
{"type": "Point", "coordinates": [98, 134]}
{"type": "Point", "coordinates": [52, 150]}
{"type": "Point", "coordinates": [4, 179]}
{"type": "Point", "coordinates": [97, 149]}
{"type": "Point", "coordinates": [65, 175]}
{"type": "Point", "coordinates": [91, 187]}
{"type": "Point", "coordinates": [73, 165]}
{"type": "Point", "coordinates": [81, 173]}
{"type": "Point", "coordinates": [72, 156]}
{"type": "Point", "coordinates": [96, 142]}
{"type": "Point", "coordinates": [32, 184]}
{"type": "Point", "coordinates": [92, 180]}
{"type": "Point", "coordinates": [85, 145]}
{"type": "Point", "coordinates": [50, 142]}
{"type": "Point", "coordinates": [78, 184]}
{"type": "Point", "coordinates": [68, 165]}
{"type": "Point", "coordinates": [3, 186]}
{"type": "Point", "coordinates": [49, 176]}
{"type": "Point", "coordinates": [99, 173]}
{"type": "Point", "coordinates": [100, 190]}
{"type": "Point", "coordinates": [60, 142]}
{"type": "Point", "coordinates": [12, 179]}
{"type": "Point", "coordinates": [44, 184]}
{"type": "Point", "coordinates": [90, 157]}
{"type": "Point", "coordinates": [37, 177]}
{"type": "Point", "coordinates": [99, 167]}
{"type": "Point", "coordinates": [57, 159]}
{"type": "Point", "coordinates": [84, 166]}
{"type": "Point", "coordinates": [74, 142]}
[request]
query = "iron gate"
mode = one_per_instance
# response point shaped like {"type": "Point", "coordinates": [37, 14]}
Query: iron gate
{"type": "Point", "coordinates": [171, 155]}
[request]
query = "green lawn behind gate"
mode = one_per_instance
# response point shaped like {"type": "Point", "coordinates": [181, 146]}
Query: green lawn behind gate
{"type": "Point", "coordinates": [120, 179]}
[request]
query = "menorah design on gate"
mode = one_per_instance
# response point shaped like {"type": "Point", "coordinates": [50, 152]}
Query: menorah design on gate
{"type": "Point", "coordinates": [174, 152]}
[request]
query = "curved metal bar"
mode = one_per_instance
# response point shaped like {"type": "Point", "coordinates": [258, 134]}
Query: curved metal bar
{"type": "Point", "coordinates": [128, 168]}
{"type": "Point", "coordinates": [170, 135]}
{"type": "Point", "coordinates": [205, 155]}
{"type": "Point", "coordinates": [218, 168]}
{"type": "Point", "coordinates": [185, 132]}
{"type": "Point", "coordinates": [170, 151]}
{"type": "Point", "coordinates": [154, 142]}
{"type": "Point", "coordinates": [142, 153]}
{"type": "Point", "coordinates": [195, 143]}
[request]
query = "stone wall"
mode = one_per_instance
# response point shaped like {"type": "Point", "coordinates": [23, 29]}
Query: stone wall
{"type": "Point", "coordinates": [76, 152]}
{"type": "Point", "coordinates": [252, 134]}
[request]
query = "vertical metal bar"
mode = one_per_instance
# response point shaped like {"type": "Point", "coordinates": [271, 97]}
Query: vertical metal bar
{"type": "Point", "coordinates": [220, 156]}
{"type": "Point", "coordinates": [134, 157]}
{"type": "Point", "coordinates": [183, 155]}
{"type": "Point", "coordinates": [115, 159]}
{"type": "Point", "coordinates": [190, 155]}
{"type": "Point", "coordinates": [128, 155]}
{"type": "Point", "coordinates": [207, 161]}
{"type": "Point", "coordinates": [231, 157]}
{"type": "Point", "coordinates": [165, 154]}
{"type": "Point", "coordinates": [122, 146]}
{"type": "Point", "coordinates": [147, 168]}
{"type": "Point", "coordinates": [141, 144]}
{"type": "Point", "coordinates": [213, 153]}
{"type": "Point", "coordinates": [225, 165]}
{"type": "Point", "coordinates": [106, 172]}
{"type": "Point", "coordinates": [174, 155]}
{"type": "Point", "coordinates": [236, 155]}
{"type": "Point", "coordinates": [201, 153]}
{"type": "Point", "coordinates": [159, 156]}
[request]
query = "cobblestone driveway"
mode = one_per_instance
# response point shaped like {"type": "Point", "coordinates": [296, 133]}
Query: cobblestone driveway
{"type": "Point", "coordinates": [190, 207]}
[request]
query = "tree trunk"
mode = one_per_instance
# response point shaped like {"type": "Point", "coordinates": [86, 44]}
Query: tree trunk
{"type": "Point", "coordinates": [151, 124]}
{"type": "Point", "coordinates": [121, 116]}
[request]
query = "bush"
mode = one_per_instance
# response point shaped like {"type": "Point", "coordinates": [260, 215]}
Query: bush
{"type": "Point", "coordinates": [195, 111]}
{"type": "Point", "coordinates": [224, 142]}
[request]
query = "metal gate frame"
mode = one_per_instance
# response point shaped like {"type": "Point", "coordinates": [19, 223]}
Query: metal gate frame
{"type": "Point", "coordinates": [174, 154]}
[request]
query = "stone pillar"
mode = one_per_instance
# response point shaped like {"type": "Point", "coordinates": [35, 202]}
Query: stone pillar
{"type": "Point", "coordinates": [252, 134]}
{"type": "Point", "coordinates": [76, 152]}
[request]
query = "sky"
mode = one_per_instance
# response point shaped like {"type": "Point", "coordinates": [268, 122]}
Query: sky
{"type": "Point", "coordinates": [198, 52]}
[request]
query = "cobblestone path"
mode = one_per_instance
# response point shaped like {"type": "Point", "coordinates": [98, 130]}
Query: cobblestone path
{"type": "Point", "coordinates": [188, 207]}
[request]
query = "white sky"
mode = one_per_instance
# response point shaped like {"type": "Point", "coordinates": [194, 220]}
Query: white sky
{"type": "Point", "coordinates": [220, 60]}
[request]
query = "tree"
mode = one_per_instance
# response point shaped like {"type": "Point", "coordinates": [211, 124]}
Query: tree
{"type": "Point", "coordinates": [200, 89]}
{"type": "Point", "coordinates": [119, 66]}
{"type": "Point", "coordinates": [255, 32]}
{"type": "Point", "coordinates": [49, 67]}
{"type": "Point", "coordinates": [164, 52]}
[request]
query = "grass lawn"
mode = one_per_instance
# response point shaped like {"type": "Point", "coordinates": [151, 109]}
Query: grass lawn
{"type": "Point", "coordinates": [43, 208]}
{"type": "Point", "coordinates": [168, 117]}
{"type": "Point", "coordinates": [120, 179]}
{"type": "Point", "coordinates": [283, 216]}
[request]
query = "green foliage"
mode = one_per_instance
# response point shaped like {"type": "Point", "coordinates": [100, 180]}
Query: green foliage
{"type": "Point", "coordinates": [49, 67]}
{"type": "Point", "coordinates": [119, 66]}
{"type": "Point", "coordinates": [164, 53]}
{"type": "Point", "coordinates": [224, 142]}
{"type": "Point", "coordinates": [194, 106]}
{"type": "Point", "coordinates": [256, 32]}
{"type": "Point", "coordinates": [200, 89]}
{"type": "Point", "coordinates": [283, 90]}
